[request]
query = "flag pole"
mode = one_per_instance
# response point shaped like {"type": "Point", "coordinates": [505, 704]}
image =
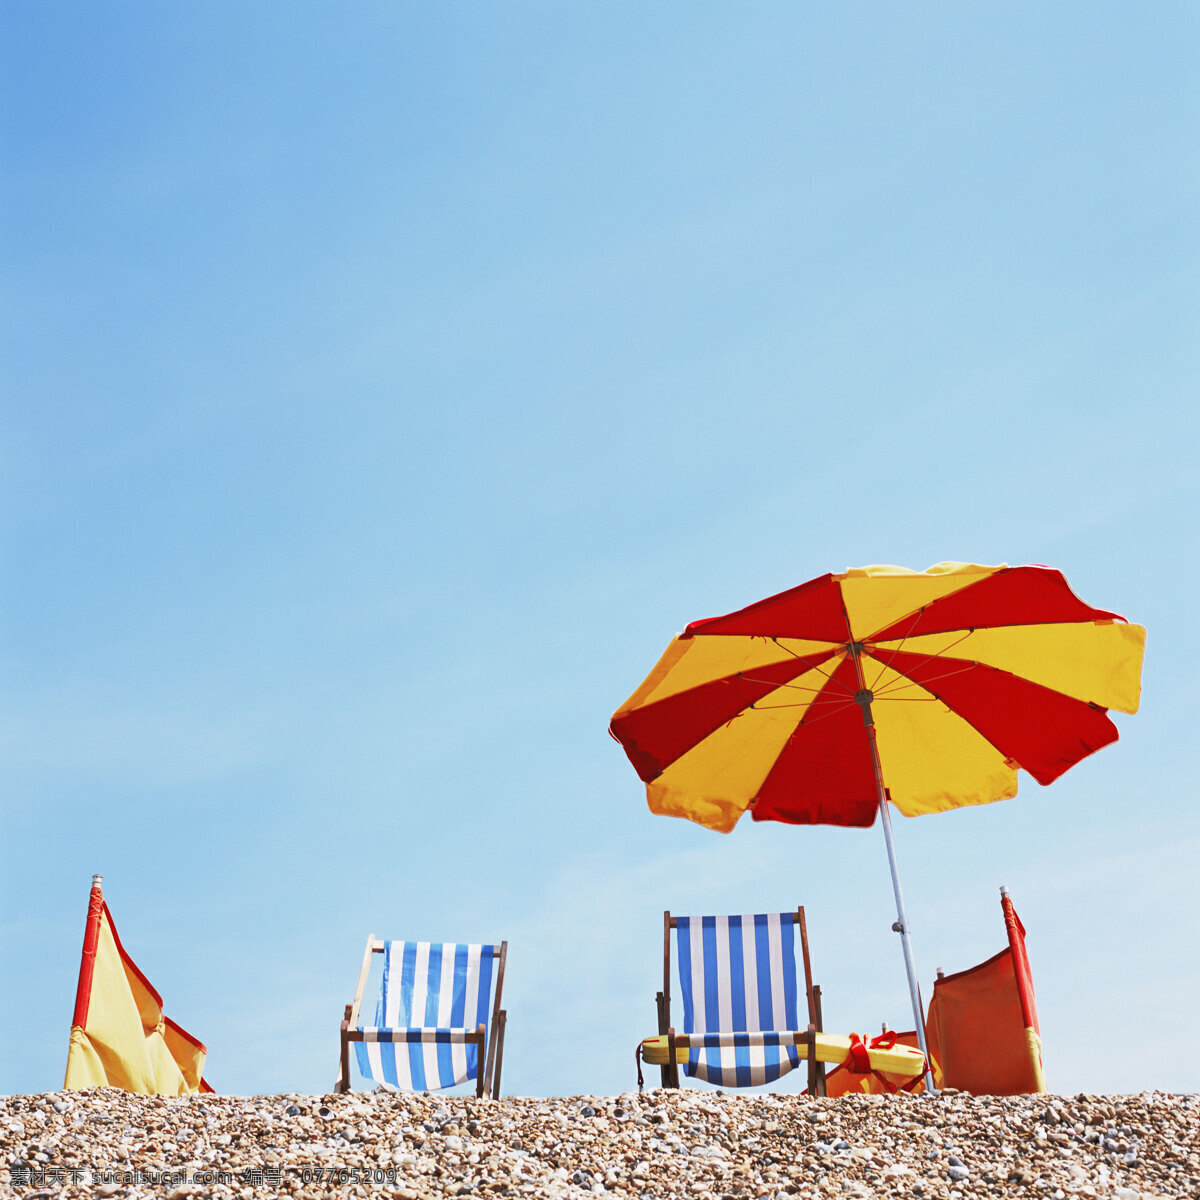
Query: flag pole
{"type": "Point", "coordinates": [863, 698]}
{"type": "Point", "coordinates": [87, 960]}
{"type": "Point", "coordinates": [1024, 982]}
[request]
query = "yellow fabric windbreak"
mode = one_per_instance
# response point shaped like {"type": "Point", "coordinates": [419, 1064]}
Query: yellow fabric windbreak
{"type": "Point", "coordinates": [1033, 1044]}
{"type": "Point", "coordinates": [124, 1041]}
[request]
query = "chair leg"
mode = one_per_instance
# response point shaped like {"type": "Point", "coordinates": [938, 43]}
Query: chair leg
{"type": "Point", "coordinates": [670, 1069]}
{"type": "Point", "coordinates": [664, 1022]}
{"type": "Point", "coordinates": [491, 1054]}
{"type": "Point", "coordinates": [672, 1075]}
{"type": "Point", "coordinates": [810, 1042]}
{"type": "Point", "coordinates": [498, 1034]}
{"type": "Point", "coordinates": [480, 1070]}
{"type": "Point", "coordinates": [821, 1089]}
{"type": "Point", "coordinates": [343, 1083]}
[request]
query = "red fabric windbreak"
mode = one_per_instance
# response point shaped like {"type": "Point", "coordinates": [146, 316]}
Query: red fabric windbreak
{"type": "Point", "coordinates": [824, 775]}
{"type": "Point", "coordinates": [1014, 596]}
{"type": "Point", "coordinates": [656, 734]}
{"type": "Point", "coordinates": [976, 1032]}
{"type": "Point", "coordinates": [1021, 968]}
{"type": "Point", "coordinates": [812, 611]}
{"type": "Point", "coordinates": [1038, 728]}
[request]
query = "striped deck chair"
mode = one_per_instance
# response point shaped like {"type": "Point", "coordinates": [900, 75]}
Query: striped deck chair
{"type": "Point", "coordinates": [740, 1014]}
{"type": "Point", "coordinates": [432, 1021]}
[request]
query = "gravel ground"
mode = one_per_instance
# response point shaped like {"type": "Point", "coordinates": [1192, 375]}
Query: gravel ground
{"type": "Point", "coordinates": [104, 1142]}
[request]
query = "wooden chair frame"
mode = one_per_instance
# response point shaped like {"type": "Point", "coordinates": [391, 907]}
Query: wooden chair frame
{"type": "Point", "coordinates": [681, 1041]}
{"type": "Point", "coordinates": [487, 1076]}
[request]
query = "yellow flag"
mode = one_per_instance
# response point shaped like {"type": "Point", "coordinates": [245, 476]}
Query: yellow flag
{"type": "Point", "coordinates": [119, 1036]}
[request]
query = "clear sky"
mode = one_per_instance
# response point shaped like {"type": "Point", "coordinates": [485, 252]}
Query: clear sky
{"type": "Point", "coordinates": [385, 384]}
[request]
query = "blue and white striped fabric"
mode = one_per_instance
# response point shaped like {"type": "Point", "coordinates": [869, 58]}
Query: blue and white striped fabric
{"type": "Point", "coordinates": [738, 978]}
{"type": "Point", "coordinates": [433, 994]}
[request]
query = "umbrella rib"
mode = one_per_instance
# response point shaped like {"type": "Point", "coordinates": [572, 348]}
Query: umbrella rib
{"type": "Point", "coordinates": [833, 711]}
{"type": "Point", "coordinates": [913, 683]}
{"type": "Point", "coordinates": [833, 703]}
{"type": "Point", "coordinates": [895, 649]}
{"type": "Point", "coordinates": [836, 701]}
{"type": "Point", "coordinates": [796, 687]}
{"type": "Point", "coordinates": [834, 707]}
{"type": "Point", "coordinates": [828, 677]}
{"type": "Point", "coordinates": [788, 650]}
{"type": "Point", "coordinates": [877, 654]}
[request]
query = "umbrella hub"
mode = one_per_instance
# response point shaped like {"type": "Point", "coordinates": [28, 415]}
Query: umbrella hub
{"type": "Point", "coordinates": [863, 698]}
{"type": "Point", "coordinates": [864, 695]}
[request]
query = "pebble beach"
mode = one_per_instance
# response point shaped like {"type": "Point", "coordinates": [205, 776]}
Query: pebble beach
{"type": "Point", "coordinates": [703, 1145]}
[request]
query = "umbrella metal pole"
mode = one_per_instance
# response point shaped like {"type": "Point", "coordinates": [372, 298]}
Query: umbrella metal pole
{"type": "Point", "coordinates": [905, 939]}
{"type": "Point", "coordinates": [863, 699]}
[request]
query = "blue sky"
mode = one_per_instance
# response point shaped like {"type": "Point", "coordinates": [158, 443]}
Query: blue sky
{"type": "Point", "coordinates": [383, 386]}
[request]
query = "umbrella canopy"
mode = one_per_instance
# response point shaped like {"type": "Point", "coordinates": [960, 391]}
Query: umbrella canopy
{"type": "Point", "coordinates": [965, 673]}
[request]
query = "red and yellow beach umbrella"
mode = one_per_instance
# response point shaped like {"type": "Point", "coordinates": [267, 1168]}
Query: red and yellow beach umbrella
{"type": "Point", "coordinates": [928, 689]}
